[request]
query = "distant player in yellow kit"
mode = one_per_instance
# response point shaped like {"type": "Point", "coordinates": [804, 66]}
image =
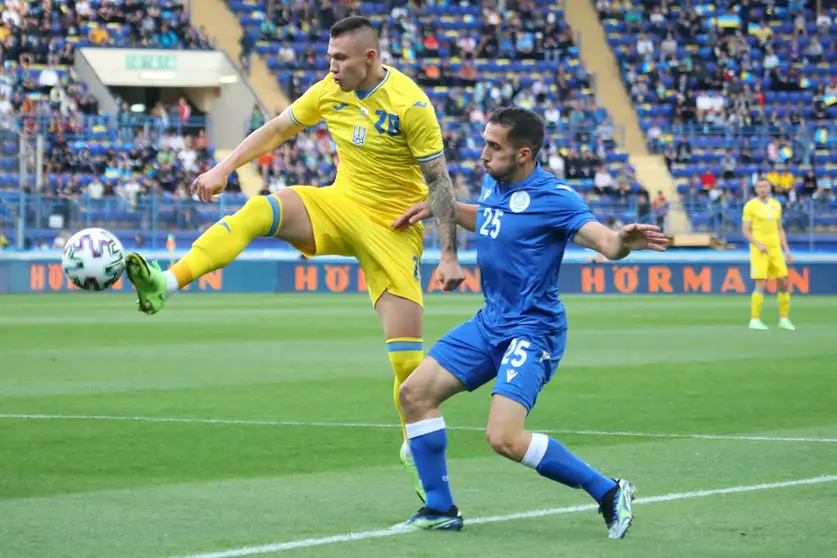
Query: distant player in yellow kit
{"type": "Point", "coordinates": [762, 226]}
{"type": "Point", "coordinates": [389, 144]}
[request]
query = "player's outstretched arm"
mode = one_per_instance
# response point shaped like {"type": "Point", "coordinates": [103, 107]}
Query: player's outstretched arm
{"type": "Point", "coordinates": [466, 216]}
{"type": "Point", "coordinates": [261, 141]}
{"type": "Point", "coordinates": [615, 245]}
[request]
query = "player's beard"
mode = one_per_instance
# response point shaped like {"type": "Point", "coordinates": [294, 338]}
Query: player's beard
{"type": "Point", "coordinates": [504, 175]}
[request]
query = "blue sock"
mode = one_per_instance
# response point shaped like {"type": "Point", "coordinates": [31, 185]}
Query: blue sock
{"type": "Point", "coordinates": [428, 442]}
{"type": "Point", "coordinates": [552, 460]}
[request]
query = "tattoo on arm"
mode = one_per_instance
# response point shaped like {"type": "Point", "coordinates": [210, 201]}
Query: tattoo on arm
{"type": "Point", "coordinates": [442, 201]}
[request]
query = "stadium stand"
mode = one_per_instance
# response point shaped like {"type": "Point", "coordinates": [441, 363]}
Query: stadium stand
{"type": "Point", "coordinates": [463, 55]}
{"type": "Point", "coordinates": [728, 91]}
{"type": "Point", "coordinates": [99, 168]}
{"type": "Point", "coordinates": [721, 104]}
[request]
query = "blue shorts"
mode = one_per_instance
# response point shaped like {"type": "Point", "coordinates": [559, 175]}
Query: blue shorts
{"type": "Point", "coordinates": [522, 366]}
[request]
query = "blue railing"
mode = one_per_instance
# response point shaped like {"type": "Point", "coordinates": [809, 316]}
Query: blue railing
{"type": "Point", "coordinates": [695, 129]}
{"type": "Point", "coordinates": [153, 216]}
{"type": "Point", "coordinates": [156, 216]}
{"type": "Point", "coordinates": [108, 127]}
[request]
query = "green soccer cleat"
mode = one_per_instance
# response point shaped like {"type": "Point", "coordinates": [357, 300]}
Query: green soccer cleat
{"type": "Point", "coordinates": [617, 510]}
{"type": "Point", "coordinates": [149, 282]}
{"type": "Point", "coordinates": [755, 323]}
{"type": "Point", "coordinates": [785, 323]}
{"type": "Point", "coordinates": [410, 465]}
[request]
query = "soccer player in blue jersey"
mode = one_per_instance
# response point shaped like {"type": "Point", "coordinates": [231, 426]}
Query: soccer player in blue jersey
{"type": "Point", "coordinates": [524, 219]}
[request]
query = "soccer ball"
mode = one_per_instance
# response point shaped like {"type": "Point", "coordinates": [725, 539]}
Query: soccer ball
{"type": "Point", "coordinates": [93, 259]}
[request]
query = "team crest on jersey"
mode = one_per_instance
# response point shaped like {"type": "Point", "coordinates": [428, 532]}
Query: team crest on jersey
{"type": "Point", "coordinates": [519, 202]}
{"type": "Point", "coordinates": [359, 135]}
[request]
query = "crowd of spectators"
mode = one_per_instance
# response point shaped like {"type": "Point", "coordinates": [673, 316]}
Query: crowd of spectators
{"type": "Point", "coordinates": [455, 59]}
{"type": "Point", "coordinates": [731, 91]}
{"type": "Point", "coordinates": [126, 154]}
{"type": "Point", "coordinates": [32, 31]}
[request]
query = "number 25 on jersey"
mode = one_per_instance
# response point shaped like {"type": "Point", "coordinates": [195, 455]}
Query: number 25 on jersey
{"type": "Point", "coordinates": [491, 225]}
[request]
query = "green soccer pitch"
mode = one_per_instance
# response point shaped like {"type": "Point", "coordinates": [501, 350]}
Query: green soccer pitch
{"type": "Point", "coordinates": [263, 425]}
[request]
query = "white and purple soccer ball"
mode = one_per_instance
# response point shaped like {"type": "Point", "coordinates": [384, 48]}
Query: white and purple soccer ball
{"type": "Point", "coordinates": [93, 259]}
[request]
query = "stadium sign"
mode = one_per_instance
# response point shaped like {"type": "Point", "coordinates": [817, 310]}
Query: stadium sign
{"type": "Point", "coordinates": [46, 275]}
{"type": "Point", "coordinates": [157, 67]}
{"type": "Point", "coordinates": [151, 61]}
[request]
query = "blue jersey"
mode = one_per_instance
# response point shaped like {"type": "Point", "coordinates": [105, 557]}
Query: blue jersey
{"type": "Point", "coordinates": [522, 232]}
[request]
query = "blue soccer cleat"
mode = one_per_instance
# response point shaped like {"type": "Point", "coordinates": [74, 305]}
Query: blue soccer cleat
{"type": "Point", "coordinates": [615, 507]}
{"type": "Point", "coordinates": [432, 520]}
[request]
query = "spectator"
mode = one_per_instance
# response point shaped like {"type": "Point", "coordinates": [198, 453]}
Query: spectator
{"type": "Point", "coordinates": [773, 152]}
{"type": "Point", "coordinates": [660, 209]}
{"type": "Point", "coordinates": [684, 150]}
{"type": "Point", "coordinates": [557, 164]}
{"type": "Point", "coordinates": [184, 110]}
{"type": "Point", "coordinates": [729, 165]}
{"type": "Point", "coordinates": [603, 181]}
{"type": "Point", "coordinates": [708, 180]}
{"type": "Point", "coordinates": [48, 78]}
{"type": "Point", "coordinates": [644, 46]}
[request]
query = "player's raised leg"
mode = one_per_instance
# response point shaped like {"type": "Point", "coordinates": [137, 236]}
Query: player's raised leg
{"type": "Point", "coordinates": [281, 215]}
{"type": "Point", "coordinates": [525, 368]}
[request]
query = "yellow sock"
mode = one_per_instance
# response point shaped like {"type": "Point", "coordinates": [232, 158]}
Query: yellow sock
{"type": "Point", "coordinates": [225, 240]}
{"type": "Point", "coordinates": [405, 354]}
{"type": "Point", "coordinates": [784, 304]}
{"type": "Point", "coordinates": [757, 301]}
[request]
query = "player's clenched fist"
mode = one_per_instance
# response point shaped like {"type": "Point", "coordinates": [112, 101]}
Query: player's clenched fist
{"type": "Point", "coordinates": [449, 274]}
{"type": "Point", "coordinates": [209, 184]}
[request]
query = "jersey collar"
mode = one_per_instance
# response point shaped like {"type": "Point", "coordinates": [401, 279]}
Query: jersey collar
{"type": "Point", "coordinates": [362, 94]}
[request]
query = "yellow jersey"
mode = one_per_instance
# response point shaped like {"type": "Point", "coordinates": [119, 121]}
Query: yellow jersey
{"type": "Point", "coordinates": [382, 135]}
{"type": "Point", "coordinates": [764, 220]}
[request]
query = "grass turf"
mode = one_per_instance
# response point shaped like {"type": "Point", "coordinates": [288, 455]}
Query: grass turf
{"type": "Point", "coordinates": [641, 365]}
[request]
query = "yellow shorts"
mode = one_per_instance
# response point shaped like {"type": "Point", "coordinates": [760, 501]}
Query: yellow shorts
{"type": "Point", "coordinates": [767, 266]}
{"type": "Point", "coordinates": [390, 259]}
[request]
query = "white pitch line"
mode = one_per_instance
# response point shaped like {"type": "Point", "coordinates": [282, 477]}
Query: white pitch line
{"type": "Point", "coordinates": [740, 437]}
{"type": "Point", "coordinates": [398, 530]}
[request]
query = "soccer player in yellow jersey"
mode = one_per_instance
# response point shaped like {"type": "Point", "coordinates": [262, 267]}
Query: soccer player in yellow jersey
{"type": "Point", "coordinates": [389, 144]}
{"type": "Point", "coordinates": [762, 227]}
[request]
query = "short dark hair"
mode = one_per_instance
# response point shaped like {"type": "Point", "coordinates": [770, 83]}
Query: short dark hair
{"type": "Point", "coordinates": [525, 127]}
{"type": "Point", "coordinates": [350, 25]}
